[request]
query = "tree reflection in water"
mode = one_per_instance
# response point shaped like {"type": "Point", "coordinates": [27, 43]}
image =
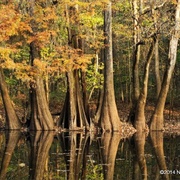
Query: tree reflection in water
{"type": "Point", "coordinates": [75, 146]}
{"type": "Point", "coordinates": [40, 144]}
{"type": "Point", "coordinates": [157, 142]}
{"type": "Point", "coordinates": [140, 166]}
{"type": "Point", "coordinates": [12, 138]}
{"type": "Point", "coordinates": [109, 147]}
{"type": "Point", "coordinates": [79, 155]}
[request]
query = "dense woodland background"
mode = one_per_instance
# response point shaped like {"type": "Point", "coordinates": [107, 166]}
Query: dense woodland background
{"type": "Point", "coordinates": [69, 58]}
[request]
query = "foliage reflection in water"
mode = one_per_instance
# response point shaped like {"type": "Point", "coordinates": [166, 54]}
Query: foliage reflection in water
{"type": "Point", "coordinates": [71, 155]}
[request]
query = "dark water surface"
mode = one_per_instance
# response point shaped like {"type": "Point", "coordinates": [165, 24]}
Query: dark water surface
{"type": "Point", "coordinates": [74, 156]}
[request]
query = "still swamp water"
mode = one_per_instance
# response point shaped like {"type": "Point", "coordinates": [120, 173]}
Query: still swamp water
{"type": "Point", "coordinates": [74, 156]}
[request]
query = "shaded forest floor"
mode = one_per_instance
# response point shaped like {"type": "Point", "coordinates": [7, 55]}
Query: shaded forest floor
{"type": "Point", "coordinates": [171, 116]}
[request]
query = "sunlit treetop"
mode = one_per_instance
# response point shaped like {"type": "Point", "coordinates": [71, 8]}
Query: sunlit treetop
{"type": "Point", "coordinates": [11, 23]}
{"type": "Point", "coordinates": [46, 25]}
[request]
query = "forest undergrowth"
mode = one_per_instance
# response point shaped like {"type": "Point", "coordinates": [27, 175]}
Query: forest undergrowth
{"type": "Point", "coordinates": [171, 115]}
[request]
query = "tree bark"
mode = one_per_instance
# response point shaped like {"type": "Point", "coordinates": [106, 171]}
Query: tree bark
{"type": "Point", "coordinates": [157, 73]}
{"type": "Point", "coordinates": [85, 95]}
{"type": "Point", "coordinates": [136, 51]}
{"type": "Point", "coordinates": [75, 111]}
{"type": "Point", "coordinates": [135, 59]}
{"type": "Point", "coordinates": [41, 118]}
{"type": "Point", "coordinates": [140, 119]}
{"type": "Point", "coordinates": [73, 116]}
{"type": "Point", "coordinates": [156, 52]}
{"type": "Point", "coordinates": [109, 115]}
{"type": "Point", "coordinates": [157, 119]}
{"type": "Point", "coordinates": [12, 120]}
{"type": "Point", "coordinates": [97, 116]}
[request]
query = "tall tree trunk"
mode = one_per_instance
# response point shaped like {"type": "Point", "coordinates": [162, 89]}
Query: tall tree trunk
{"type": "Point", "coordinates": [135, 58]}
{"type": "Point", "coordinates": [85, 95]}
{"type": "Point", "coordinates": [109, 116]}
{"type": "Point", "coordinates": [41, 118]}
{"type": "Point", "coordinates": [96, 119]}
{"type": "Point", "coordinates": [12, 120]}
{"type": "Point", "coordinates": [46, 87]}
{"type": "Point", "coordinates": [140, 119]}
{"type": "Point", "coordinates": [99, 107]}
{"type": "Point", "coordinates": [157, 119]}
{"type": "Point", "coordinates": [73, 115]}
{"type": "Point", "coordinates": [156, 52]}
{"type": "Point", "coordinates": [136, 51]}
{"type": "Point", "coordinates": [157, 73]}
{"type": "Point", "coordinates": [75, 111]}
